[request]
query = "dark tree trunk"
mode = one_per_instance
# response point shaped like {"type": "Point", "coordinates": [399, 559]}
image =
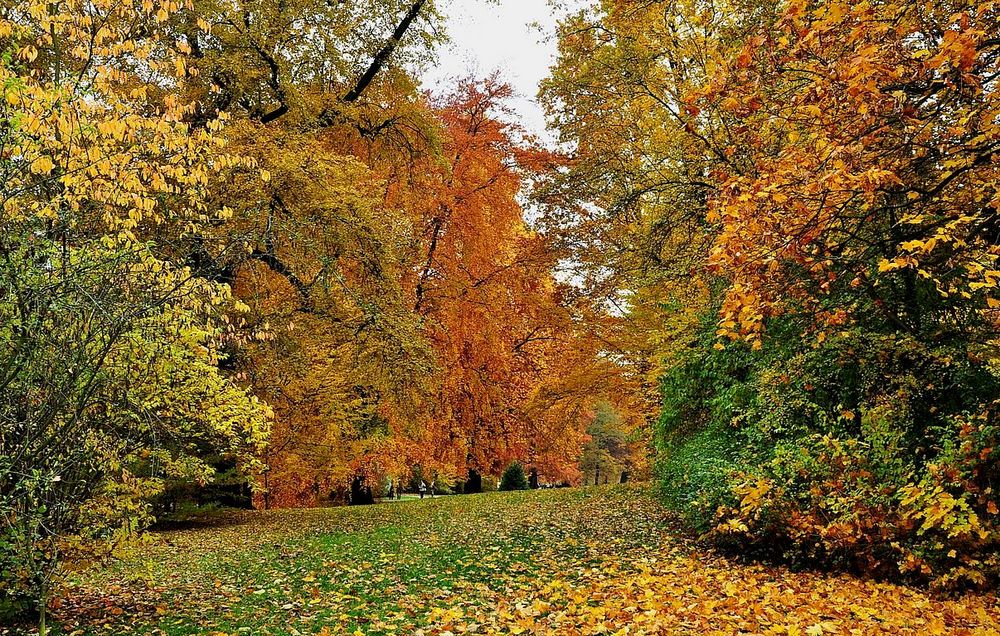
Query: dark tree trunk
{"type": "Point", "coordinates": [474, 483]}
{"type": "Point", "coordinates": [361, 495]}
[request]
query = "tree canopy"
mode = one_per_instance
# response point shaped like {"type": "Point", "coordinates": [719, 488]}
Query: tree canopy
{"type": "Point", "coordinates": [801, 197]}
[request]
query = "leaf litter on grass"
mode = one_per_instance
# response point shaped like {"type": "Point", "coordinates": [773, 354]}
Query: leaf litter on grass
{"type": "Point", "coordinates": [587, 561]}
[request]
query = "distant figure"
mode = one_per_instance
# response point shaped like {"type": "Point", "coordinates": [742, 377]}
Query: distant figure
{"type": "Point", "coordinates": [422, 488]}
{"type": "Point", "coordinates": [433, 484]}
{"type": "Point", "coordinates": [392, 492]}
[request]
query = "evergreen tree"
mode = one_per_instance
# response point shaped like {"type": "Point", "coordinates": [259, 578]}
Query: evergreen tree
{"type": "Point", "coordinates": [514, 478]}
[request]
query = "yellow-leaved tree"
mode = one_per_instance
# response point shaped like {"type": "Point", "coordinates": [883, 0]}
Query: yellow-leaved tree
{"type": "Point", "coordinates": [109, 381]}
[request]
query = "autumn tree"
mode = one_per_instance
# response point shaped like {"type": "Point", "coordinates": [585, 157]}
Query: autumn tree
{"type": "Point", "coordinates": [110, 378]}
{"type": "Point", "coordinates": [824, 173]}
{"type": "Point", "coordinates": [607, 454]}
{"type": "Point", "coordinates": [311, 249]}
{"type": "Point", "coordinates": [483, 287]}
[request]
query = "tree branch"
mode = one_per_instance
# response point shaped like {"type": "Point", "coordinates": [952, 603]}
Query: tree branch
{"type": "Point", "coordinates": [278, 266]}
{"type": "Point", "coordinates": [385, 53]}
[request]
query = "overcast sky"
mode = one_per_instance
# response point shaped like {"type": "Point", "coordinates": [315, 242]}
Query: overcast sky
{"type": "Point", "coordinates": [512, 36]}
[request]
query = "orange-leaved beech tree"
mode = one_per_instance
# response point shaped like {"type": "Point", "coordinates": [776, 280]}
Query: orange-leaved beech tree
{"type": "Point", "coordinates": [483, 286]}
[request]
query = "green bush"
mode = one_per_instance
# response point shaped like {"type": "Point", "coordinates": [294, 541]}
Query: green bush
{"type": "Point", "coordinates": [870, 452]}
{"type": "Point", "coordinates": [514, 478]}
{"type": "Point", "coordinates": [694, 474]}
{"type": "Point", "coordinates": [700, 442]}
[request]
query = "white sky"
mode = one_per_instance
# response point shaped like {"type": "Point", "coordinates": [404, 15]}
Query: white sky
{"type": "Point", "coordinates": [512, 36]}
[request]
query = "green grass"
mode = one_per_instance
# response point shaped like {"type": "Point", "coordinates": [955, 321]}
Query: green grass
{"type": "Point", "coordinates": [588, 562]}
{"type": "Point", "coordinates": [387, 569]}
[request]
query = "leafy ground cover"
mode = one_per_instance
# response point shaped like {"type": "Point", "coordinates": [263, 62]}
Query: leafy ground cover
{"type": "Point", "coordinates": [587, 561]}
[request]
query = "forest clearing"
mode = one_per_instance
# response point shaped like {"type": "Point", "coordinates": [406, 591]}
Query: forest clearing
{"type": "Point", "coordinates": [569, 561]}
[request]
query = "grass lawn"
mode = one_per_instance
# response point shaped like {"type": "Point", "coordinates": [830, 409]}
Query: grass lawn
{"type": "Point", "coordinates": [585, 561]}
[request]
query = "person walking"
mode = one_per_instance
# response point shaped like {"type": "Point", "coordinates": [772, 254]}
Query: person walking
{"type": "Point", "coordinates": [423, 488]}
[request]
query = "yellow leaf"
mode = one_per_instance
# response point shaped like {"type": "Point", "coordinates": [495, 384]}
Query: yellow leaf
{"type": "Point", "coordinates": [42, 165]}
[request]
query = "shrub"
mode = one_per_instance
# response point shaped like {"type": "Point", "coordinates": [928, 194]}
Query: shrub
{"type": "Point", "coordinates": [694, 474]}
{"type": "Point", "coordinates": [514, 478]}
{"type": "Point", "coordinates": [873, 453]}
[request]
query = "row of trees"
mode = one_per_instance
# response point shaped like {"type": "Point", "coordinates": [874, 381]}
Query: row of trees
{"type": "Point", "coordinates": [234, 235]}
{"type": "Point", "coordinates": [610, 453]}
{"type": "Point", "coordinates": [801, 201]}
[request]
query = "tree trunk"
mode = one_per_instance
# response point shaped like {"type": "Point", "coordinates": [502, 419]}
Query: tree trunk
{"type": "Point", "coordinates": [474, 484]}
{"type": "Point", "coordinates": [361, 495]}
